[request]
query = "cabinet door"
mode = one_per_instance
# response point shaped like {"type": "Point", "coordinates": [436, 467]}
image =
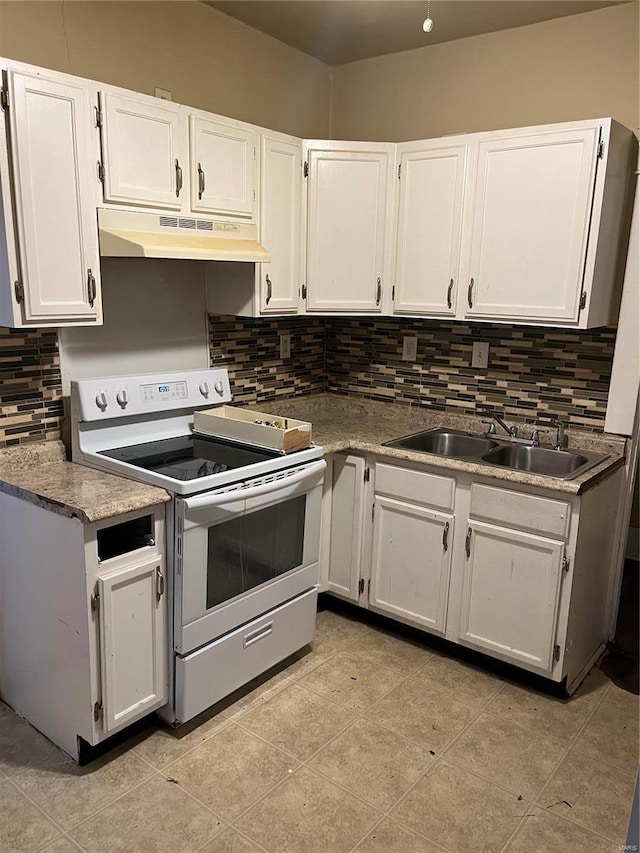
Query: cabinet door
{"type": "Point", "coordinates": [511, 590]}
{"type": "Point", "coordinates": [347, 525]}
{"type": "Point", "coordinates": [133, 642]}
{"type": "Point", "coordinates": [142, 148]}
{"type": "Point", "coordinates": [280, 200]}
{"type": "Point", "coordinates": [531, 213]}
{"type": "Point", "coordinates": [55, 197]}
{"type": "Point", "coordinates": [348, 198]}
{"type": "Point", "coordinates": [429, 228]}
{"type": "Point", "coordinates": [411, 562]}
{"type": "Point", "coordinates": [222, 168]}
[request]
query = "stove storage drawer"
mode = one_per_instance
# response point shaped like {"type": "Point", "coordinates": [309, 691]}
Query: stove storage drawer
{"type": "Point", "coordinates": [207, 675]}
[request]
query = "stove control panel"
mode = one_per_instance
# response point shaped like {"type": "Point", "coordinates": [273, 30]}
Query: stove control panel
{"type": "Point", "coordinates": [124, 396]}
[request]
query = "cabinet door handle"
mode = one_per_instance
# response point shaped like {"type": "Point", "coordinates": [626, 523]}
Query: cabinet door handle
{"type": "Point", "coordinates": [449, 292]}
{"type": "Point", "coordinates": [470, 293]}
{"type": "Point", "coordinates": [467, 542]}
{"type": "Point", "coordinates": [445, 536]}
{"type": "Point", "coordinates": [269, 290]}
{"type": "Point", "coordinates": [159, 583]}
{"type": "Point", "coordinates": [378, 292]}
{"type": "Point", "coordinates": [201, 183]}
{"type": "Point", "coordinates": [92, 290]}
{"type": "Point", "coordinates": [178, 178]}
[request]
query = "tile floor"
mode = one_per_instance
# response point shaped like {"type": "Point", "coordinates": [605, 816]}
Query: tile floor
{"type": "Point", "coordinates": [370, 743]}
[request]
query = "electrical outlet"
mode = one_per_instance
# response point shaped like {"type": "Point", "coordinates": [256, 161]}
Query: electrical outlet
{"type": "Point", "coordinates": [480, 357]}
{"type": "Point", "coordinates": [163, 94]}
{"type": "Point", "coordinates": [409, 348]}
{"type": "Point", "coordinates": [285, 346]}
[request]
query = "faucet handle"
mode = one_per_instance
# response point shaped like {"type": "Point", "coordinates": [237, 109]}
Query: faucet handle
{"type": "Point", "coordinates": [491, 425]}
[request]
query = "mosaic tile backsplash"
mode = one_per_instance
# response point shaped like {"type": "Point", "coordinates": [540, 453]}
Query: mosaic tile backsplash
{"type": "Point", "coordinates": [30, 386]}
{"type": "Point", "coordinates": [531, 370]}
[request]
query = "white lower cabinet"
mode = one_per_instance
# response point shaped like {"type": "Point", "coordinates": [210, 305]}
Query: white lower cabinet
{"type": "Point", "coordinates": [85, 607]}
{"type": "Point", "coordinates": [518, 573]}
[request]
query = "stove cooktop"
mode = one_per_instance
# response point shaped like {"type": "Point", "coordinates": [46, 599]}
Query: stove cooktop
{"type": "Point", "coordinates": [189, 457]}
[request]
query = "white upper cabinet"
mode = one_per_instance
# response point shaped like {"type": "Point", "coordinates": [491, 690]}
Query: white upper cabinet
{"type": "Point", "coordinates": [223, 167]}
{"type": "Point", "coordinates": [280, 202]}
{"type": "Point", "coordinates": [432, 183]}
{"type": "Point", "coordinates": [50, 251]}
{"type": "Point", "coordinates": [349, 226]}
{"type": "Point", "coordinates": [144, 151]}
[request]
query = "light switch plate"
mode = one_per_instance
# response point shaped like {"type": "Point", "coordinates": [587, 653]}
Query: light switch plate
{"type": "Point", "coordinates": [285, 345]}
{"type": "Point", "coordinates": [480, 357]}
{"type": "Point", "coordinates": [409, 348]}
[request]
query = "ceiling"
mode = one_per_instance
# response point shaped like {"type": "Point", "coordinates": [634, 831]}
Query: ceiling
{"type": "Point", "coordinates": [340, 31]}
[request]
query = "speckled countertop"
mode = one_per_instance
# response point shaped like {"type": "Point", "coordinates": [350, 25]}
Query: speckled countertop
{"type": "Point", "coordinates": [350, 423]}
{"type": "Point", "coordinates": [39, 473]}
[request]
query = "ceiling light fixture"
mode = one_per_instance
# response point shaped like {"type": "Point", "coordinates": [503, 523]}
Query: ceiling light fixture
{"type": "Point", "coordinates": [427, 25]}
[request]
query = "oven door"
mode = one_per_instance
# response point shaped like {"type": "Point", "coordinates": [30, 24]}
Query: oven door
{"type": "Point", "coordinates": [243, 550]}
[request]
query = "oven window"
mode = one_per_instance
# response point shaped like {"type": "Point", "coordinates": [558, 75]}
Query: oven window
{"type": "Point", "coordinates": [253, 549]}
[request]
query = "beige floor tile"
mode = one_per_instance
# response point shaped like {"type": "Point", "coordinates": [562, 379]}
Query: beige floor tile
{"type": "Point", "coordinates": [154, 818]}
{"type": "Point", "coordinates": [390, 837]}
{"type": "Point", "coordinates": [351, 680]}
{"type": "Point", "coordinates": [374, 763]}
{"type": "Point", "coordinates": [613, 732]}
{"type": "Point", "coordinates": [424, 715]}
{"type": "Point", "coordinates": [466, 682]}
{"type": "Point", "coordinates": [543, 832]}
{"type": "Point", "coordinates": [546, 715]}
{"type": "Point", "coordinates": [335, 631]}
{"type": "Point", "coordinates": [231, 770]}
{"type": "Point", "coordinates": [69, 793]}
{"type": "Point", "coordinates": [62, 845]}
{"type": "Point", "coordinates": [160, 746]}
{"type": "Point", "coordinates": [297, 720]}
{"type": "Point", "coordinates": [393, 652]}
{"type": "Point", "coordinates": [253, 696]}
{"type": "Point", "coordinates": [22, 826]}
{"type": "Point", "coordinates": [308, 814]}
{"type": "Point", "coordinates": [460, 811]}
{"type": "Point", "coordinates": [507, 755]}
{"type": "Point", "coordinates": [230, 841]}
{"type": "Point", "coordinates": [305, 663]}
{"type": "Point", "coordinates": [21, 746]}
{"type": "Point", "coordinates": [594, 795]}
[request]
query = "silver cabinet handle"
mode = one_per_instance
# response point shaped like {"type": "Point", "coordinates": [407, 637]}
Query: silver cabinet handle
{"type": "Point", "coordinates": [201, 183]}
{"type": "Point", "coordinates": [269, 290]}
{"type": "Point", "coordinates": [470, 293]}
{"type": "Point", "coordinates": [467, 542]}
{"type": "Point", "coordinates": [178, 178]}
{"type": "Point", "coordinates": [92, 290]}
{"type": "Point", "coordinates": [445, 536]}
{"type": "Point", "coordinates": [449, 292]}
{"type": "Point", "coordinates": [378, 292]}
{"type": "Point", "coordinates": [159, 583]}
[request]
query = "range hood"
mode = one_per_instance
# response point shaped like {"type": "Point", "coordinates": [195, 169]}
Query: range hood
{"type": "Point", "coordinates": [125, 234]}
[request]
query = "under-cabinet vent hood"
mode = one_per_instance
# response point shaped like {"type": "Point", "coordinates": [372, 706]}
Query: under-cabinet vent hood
{"type": "Point", "coordinates": [125, 234]}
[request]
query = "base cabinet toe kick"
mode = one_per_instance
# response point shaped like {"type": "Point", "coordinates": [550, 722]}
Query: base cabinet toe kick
{"type": "Point", "coordinates": [518, 573]}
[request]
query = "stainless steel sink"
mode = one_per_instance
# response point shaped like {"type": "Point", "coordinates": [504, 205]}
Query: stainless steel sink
{"type": "Point", "coordinates": [446, 442]}
{"type": "Point", "coordinates": [542, 460]}
{"type": "Point", "coordinates": [564, 464]}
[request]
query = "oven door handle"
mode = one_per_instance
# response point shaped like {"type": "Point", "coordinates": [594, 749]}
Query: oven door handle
{"type": "Point", "coordinates": [205, 500]}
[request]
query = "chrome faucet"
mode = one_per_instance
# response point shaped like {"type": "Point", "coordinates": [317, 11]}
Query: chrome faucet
{"type": "Point", "coordinates": [511, 431]}
{"type": "Point", "coordinates": [560, 436]}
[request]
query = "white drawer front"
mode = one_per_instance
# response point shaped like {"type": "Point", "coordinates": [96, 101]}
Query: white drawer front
{"type": "Point", "coordinates": [514, 509]}
{"type": "Point", "coordinates": [416, 486]}
{"type": "Point", "coordinates": [216, 670]}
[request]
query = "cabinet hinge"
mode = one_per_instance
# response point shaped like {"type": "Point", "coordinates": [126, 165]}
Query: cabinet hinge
{"type": "Point", "coordinates": [600, 150]}
{"type": "Point", "coordinates": [4, 98]}
{"type": "Point", "coordinates": [399, 170]}
{"type": "Point", "coordinates": [95, 599]}
{"type": "Point", "coordinates": [98, 116]}
{"type": "Point", "coordinates": [18, 286]}
{"type": "Point", "coordinates": [367, 474]}
{"type": "Point", "coordinates": [97, 711]}
{"type": "Point", "coordinates": [101, 171]}
{"type": "Point", "coordinates": [360, 586]}
{"type": "Point", "coordinates": [556, 653]}
{"type": "Point", "coordinates": [565, 564]}
{"type": "Point", "coordinates": [303, 291]}
{"type": "Point", "coordinates": [583, 300]}
{"type": "Point", "coordinates": [305, 169]}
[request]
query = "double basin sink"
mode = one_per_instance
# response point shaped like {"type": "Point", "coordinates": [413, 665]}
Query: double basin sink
{"type": "Point", "coordinates": [468, 447]}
